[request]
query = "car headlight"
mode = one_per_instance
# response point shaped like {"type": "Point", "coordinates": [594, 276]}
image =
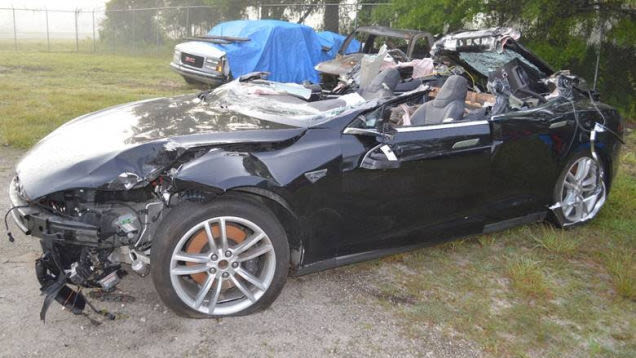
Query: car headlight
{"type": "Point", "coordinates": [176, 58]}
{"type": "Point", "coordinates": [214, 64]}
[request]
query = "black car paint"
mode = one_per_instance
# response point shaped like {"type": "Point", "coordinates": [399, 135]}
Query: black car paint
{"type": "Point", "coordinates": [436, 193]}
{"type": "Point", "coordinates": [140, 138]}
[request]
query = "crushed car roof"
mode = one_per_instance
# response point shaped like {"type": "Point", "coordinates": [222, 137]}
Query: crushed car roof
{"type": "Point", "coordinates": [387, 31]}
{"type": "Point", "coordinates": [478, 40]}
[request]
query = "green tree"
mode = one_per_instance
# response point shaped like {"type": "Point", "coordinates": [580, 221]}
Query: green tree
{"type": "Point", "coordinates": [124, 26]}
{"type": "Point", "coordinates": [201, 16]}
{"type": "Point", "coordinates": [139, 22]}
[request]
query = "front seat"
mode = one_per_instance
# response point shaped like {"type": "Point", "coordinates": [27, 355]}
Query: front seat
{"type": "Point", "coordinates": [448, 105]}
{"type": "Point", "coordinates": [382, 85]}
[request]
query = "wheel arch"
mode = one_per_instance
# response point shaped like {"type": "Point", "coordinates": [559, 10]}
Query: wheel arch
{"type": "Point", "coordinates": [280, 207]}
{"type": "Point", "coordinates": [583, 150]}
{"type": "Point", "coordinates": [605, 157]}
{"type": "Point", "coordinates": [283, 211]}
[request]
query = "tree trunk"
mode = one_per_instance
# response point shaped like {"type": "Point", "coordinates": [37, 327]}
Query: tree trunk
{"type": "Point", "coordinates": [331, 18]}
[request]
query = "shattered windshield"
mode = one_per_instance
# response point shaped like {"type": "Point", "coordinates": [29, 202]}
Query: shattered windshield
{"type": "Point", "coordinates": [285, 103]}
{"type": "Point", "coordinates": [485, 62]}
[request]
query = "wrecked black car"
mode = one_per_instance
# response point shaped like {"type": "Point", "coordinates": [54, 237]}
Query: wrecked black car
{"type": "Point", "coordinates": [219, 196]}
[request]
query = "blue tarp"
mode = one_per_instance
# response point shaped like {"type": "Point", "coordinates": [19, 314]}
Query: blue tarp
{"type": "Point", "coordinates": [288, 51]}
{"type": "Point", "coordinates": [334, 41]}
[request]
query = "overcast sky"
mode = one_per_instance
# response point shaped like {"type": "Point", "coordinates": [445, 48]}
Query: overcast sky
{"type": "Point", "coordinates": [32, 24]}
{"type": "Point", "coordinates": [54, 4]}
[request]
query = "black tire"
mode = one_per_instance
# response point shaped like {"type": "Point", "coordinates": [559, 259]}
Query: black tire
{"type": "Point", "coordinates": [556, 216]}
{"type": "Point", "coordinates": [185, 216]}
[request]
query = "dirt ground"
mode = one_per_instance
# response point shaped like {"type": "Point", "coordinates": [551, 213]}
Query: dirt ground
{"type": "Point", "coordinates": [324, 314]}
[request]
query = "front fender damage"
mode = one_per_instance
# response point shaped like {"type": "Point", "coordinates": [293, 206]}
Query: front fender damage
{"type": "Point", "coordinates": [88, 219]}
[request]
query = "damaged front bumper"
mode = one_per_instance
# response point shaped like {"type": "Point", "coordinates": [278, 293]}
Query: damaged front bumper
{"type": "Point", "coordinates": [80, 253]}
{"type": "Point", "coordinates": [101, 224]}
{"type": "Point", "coordinates": [37, 222]}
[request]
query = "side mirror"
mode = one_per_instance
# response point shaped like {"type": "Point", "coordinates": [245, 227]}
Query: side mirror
{"type": "Point", "coordinates": [361, 131]}
{"type": "Point", "coordinates": [381, 137]}
{"type": "Point", "coordinates": [380, 157]}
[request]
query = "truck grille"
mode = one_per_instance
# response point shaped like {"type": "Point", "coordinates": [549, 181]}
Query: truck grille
{"type": "Point", "coordinates": [191, 60]}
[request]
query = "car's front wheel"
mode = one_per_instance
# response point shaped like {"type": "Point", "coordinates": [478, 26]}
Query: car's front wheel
{"type": "Point", "coordinates": [224, 258]}
{"type": "Point", "coordinates": [580, 191]}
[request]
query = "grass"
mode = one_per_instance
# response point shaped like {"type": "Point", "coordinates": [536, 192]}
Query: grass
{"type": "Point", "coordinates": [532, 291]}
{"type": "Point", "coordinates": [39, 91]}
{"type": "Point", "coordinates": [528, 277]}
{"type": "Point", "coordinates": [555, 241]}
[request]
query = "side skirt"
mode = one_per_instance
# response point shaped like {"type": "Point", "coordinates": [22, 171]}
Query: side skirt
{"type": "Point", "coordinates": [521, 220]}
{"type": "Point", "coordinates": [369, 255]}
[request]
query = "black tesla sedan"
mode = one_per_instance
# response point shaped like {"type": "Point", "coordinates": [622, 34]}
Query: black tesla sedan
{"type": "Point", "coordinates": [219, 196]}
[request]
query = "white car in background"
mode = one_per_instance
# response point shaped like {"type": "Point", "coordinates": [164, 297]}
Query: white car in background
{"type": "Point", "coordinates": [199, 62]}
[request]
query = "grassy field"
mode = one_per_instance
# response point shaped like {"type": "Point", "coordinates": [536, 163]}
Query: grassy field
{"type": "Point", "coordinates": [532, 291]}
{"type": "Point", "coordinates": [39, 91]}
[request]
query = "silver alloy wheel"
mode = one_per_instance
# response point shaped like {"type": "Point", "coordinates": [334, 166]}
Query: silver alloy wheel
{"type": "Point", "coordinates": [237, 274]}
{"type": "Point", "coordinates": [582, 191]}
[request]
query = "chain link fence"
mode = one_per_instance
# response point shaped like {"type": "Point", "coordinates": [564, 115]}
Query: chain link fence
{"type": "Point", "coordinates": [154, 29]}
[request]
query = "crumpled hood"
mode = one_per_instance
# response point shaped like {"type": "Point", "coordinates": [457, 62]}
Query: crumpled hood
{"type": "Point", "coordinates": [138, 139]}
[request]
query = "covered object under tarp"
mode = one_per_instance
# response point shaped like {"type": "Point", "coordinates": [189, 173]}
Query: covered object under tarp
{"type": "Point", "coordinates": [331, 43]}
{"type": "Point", "coordinates": [288, 51]}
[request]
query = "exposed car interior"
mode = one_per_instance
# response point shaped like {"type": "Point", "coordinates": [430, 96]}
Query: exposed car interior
{"type": "Point", "coordinates": [452, 93]}
{"type": "Point", "coordinates": [450, 87]}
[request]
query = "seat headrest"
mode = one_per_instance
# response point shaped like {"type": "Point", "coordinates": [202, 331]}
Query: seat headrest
{"type": "Point", "coordinates": [454, 89]}
{"type": "Point", "coordinates": [382, 85]}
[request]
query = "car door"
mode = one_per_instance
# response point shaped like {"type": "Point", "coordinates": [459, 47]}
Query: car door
{"type": "Point", "coordinates": [529, 147]}
{"type": "Point", "coordinates": [419, 184]}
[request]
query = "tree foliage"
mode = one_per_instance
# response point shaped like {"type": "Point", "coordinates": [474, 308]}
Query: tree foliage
{"type": "Point", "coordinates": [564, 33]}
{"type": "Point", "coordinates": [122, 25]}
{"type": "Point", "coordinates": [157, 20]}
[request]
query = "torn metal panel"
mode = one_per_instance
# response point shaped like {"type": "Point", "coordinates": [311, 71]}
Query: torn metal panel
{"type": "Point", "coordinates": [483, 40]}
{"type": "Point", "coordinates": [340, 65]}
{"type": "Point", "coordinates": [345, 62]}
{"type": "Point", "coordinates": [390, 32]}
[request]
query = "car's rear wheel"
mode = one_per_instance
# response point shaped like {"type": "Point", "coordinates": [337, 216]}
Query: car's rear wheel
{"type": "Point", "coordinates": [225, 258]}
{"type": "Point", "coordinates": [580, 191]}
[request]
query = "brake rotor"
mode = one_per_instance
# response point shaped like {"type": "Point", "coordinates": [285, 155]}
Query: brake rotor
{"type": "Point", "coordinates": [199, 243]}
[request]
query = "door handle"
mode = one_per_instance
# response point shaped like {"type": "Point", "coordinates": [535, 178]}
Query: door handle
{"type": "Point", "coordinates": [466, 143]}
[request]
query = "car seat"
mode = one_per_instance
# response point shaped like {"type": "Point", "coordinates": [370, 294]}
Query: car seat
{"type": "Point", "coordinates": [448, 105]}
{"type": "Point", "coordinates": [382, 86]}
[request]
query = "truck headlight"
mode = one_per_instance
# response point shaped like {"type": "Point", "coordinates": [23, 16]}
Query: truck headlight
{"type": "Point", "coordinates": [214, 64]}
{"type": "Point", "coordinates": [211, 63]}
{"type": "Point", "coordinates": [176, 58]}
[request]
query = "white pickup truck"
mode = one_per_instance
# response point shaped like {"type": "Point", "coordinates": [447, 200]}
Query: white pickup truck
{"type": "Point", "coordinates": [200, 62]}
